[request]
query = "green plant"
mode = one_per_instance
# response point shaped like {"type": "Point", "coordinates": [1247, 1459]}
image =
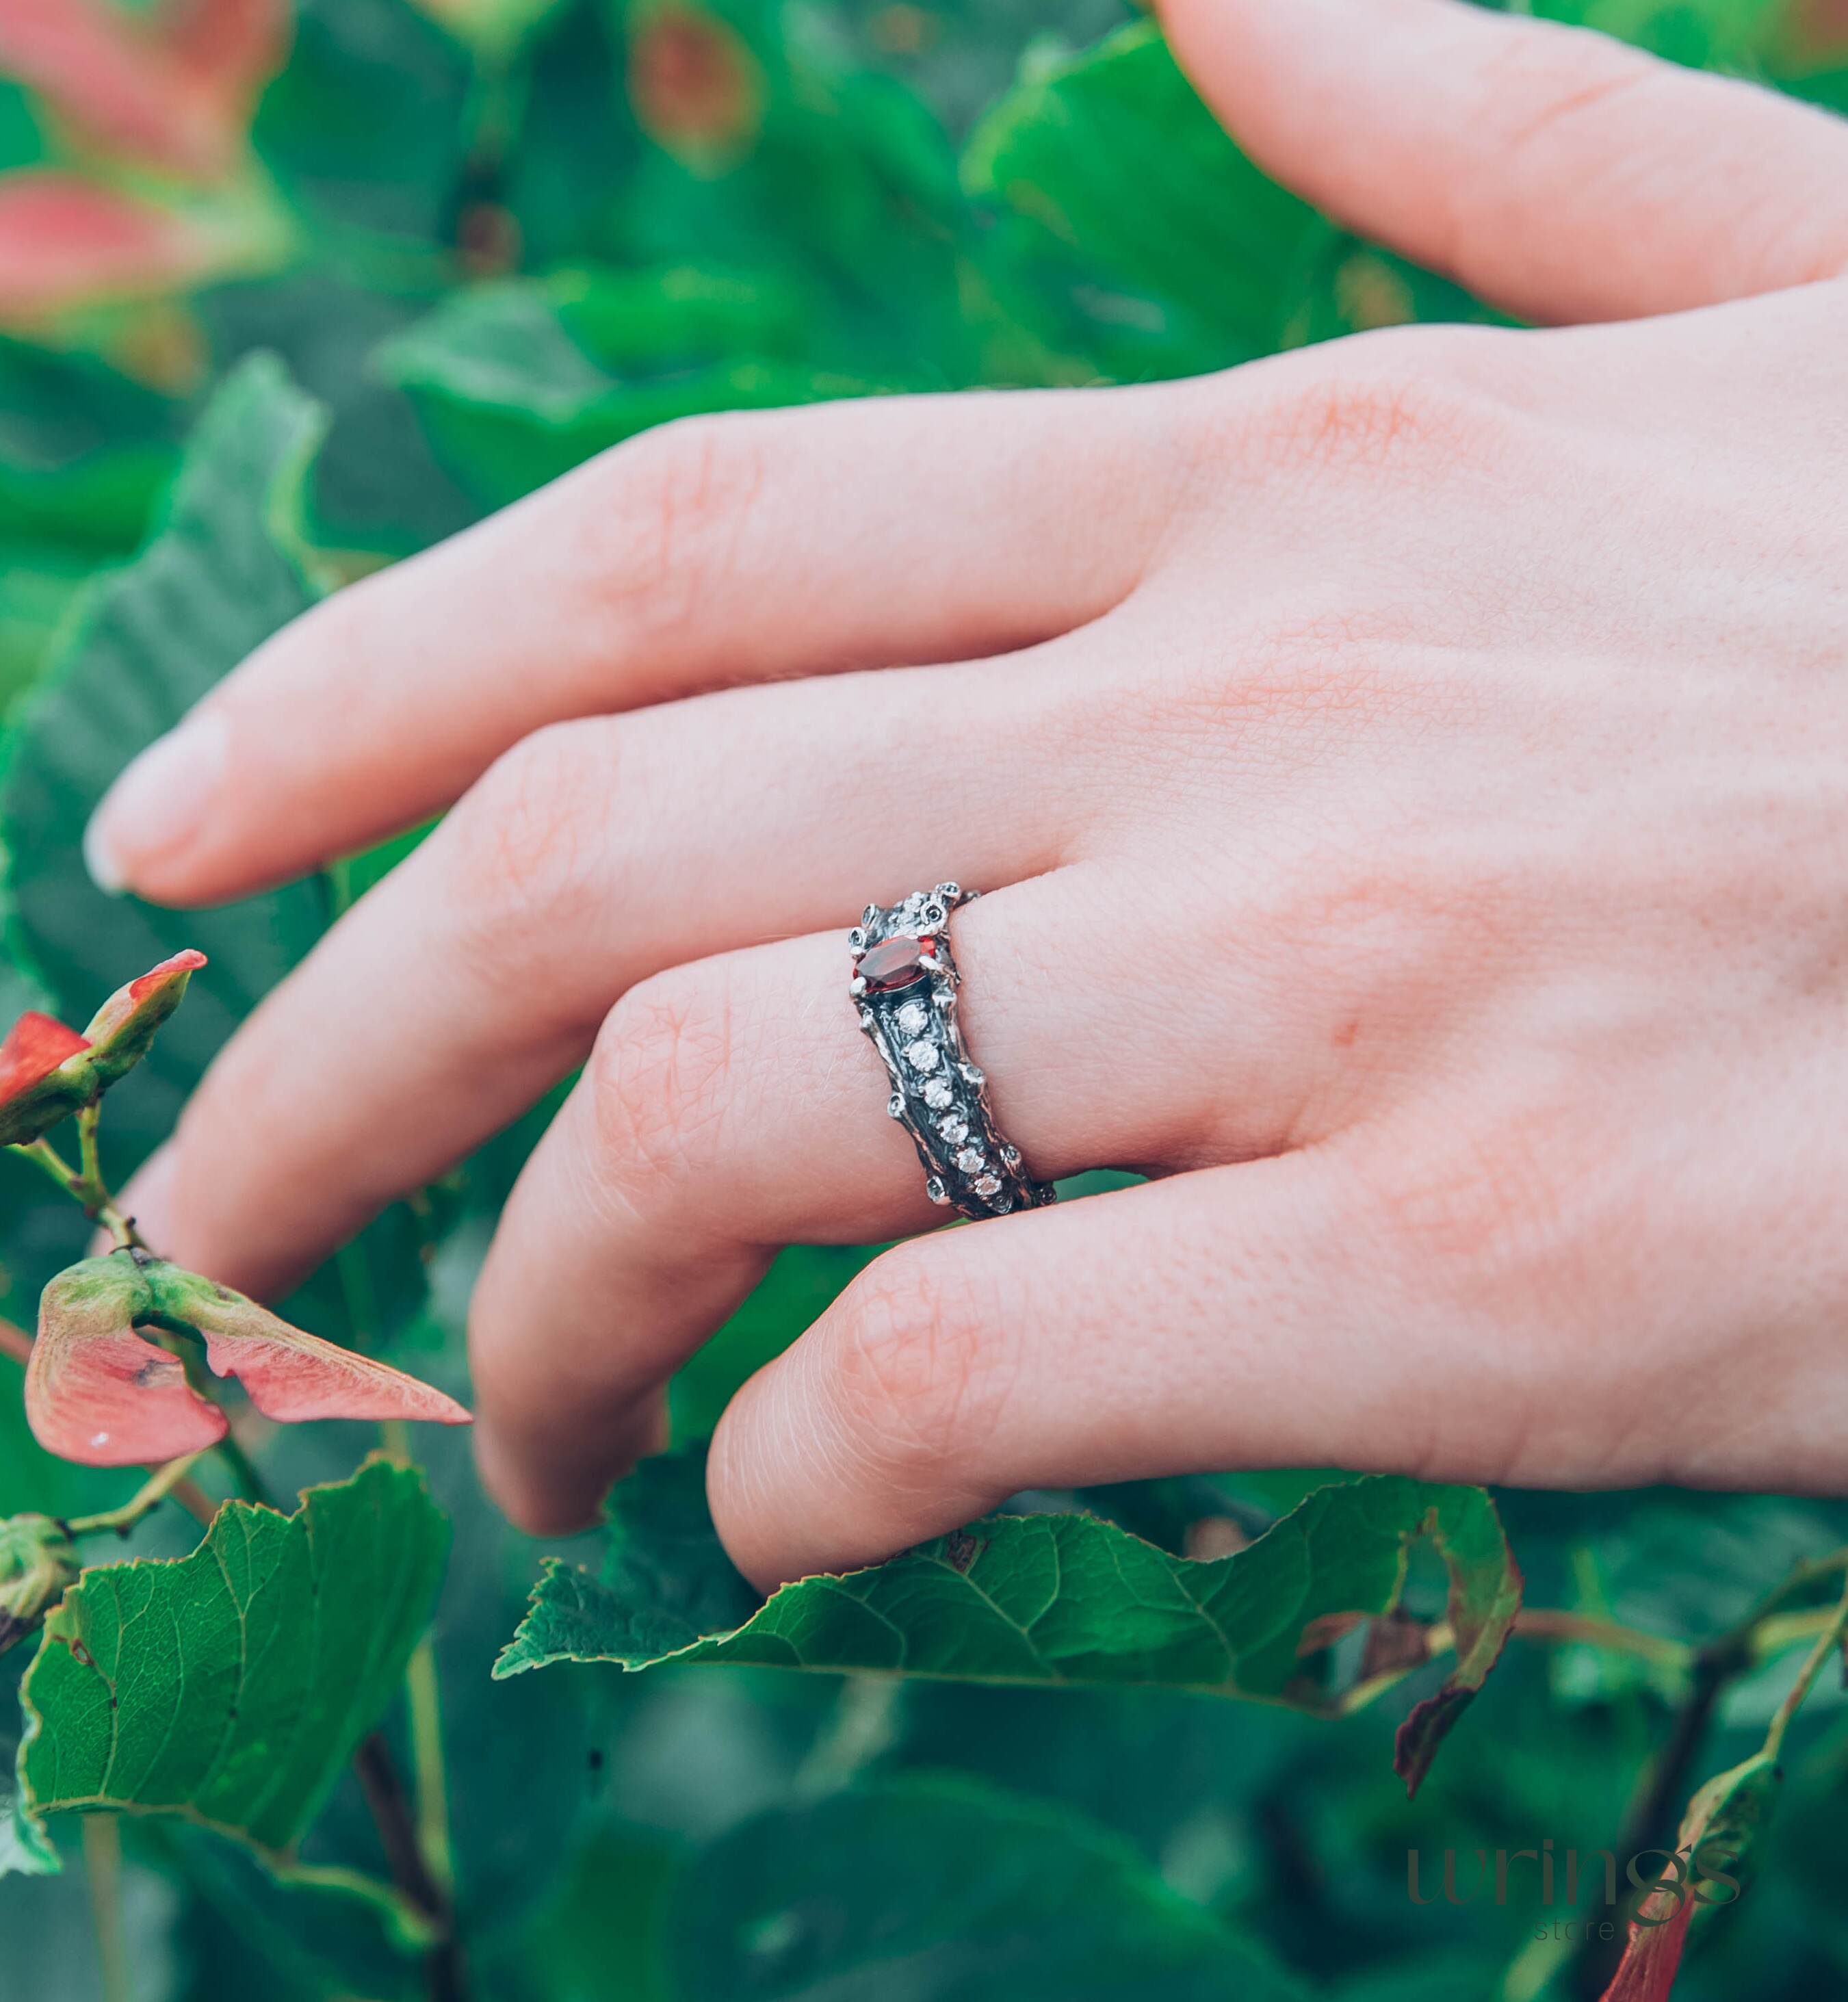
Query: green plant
{"type": "Point", "coordinates": [372, 280]}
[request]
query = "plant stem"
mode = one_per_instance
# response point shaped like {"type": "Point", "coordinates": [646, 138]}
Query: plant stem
{"type": "Point", "coordinates": [424, 1697]}
{"type": "Point", "coordinates": [119, 1521]}
{"type": "Point", "coordinates": [243, 1470]}
{"type": "Point", "coordinates": [88, 1154]}
{"type": "Point", "coordinates": [1540, 1623]}
{"type": "Point", "coordinates": [1826, 1643]}
{"type": "Point", "coordinates": [103, 1867]}
{"type": "Point", "coordinates": [86, 1184]}
{"type": "Point", "coordinates": [423, 1694]}
{"type": "Point", "coordinates": [391, 1815]}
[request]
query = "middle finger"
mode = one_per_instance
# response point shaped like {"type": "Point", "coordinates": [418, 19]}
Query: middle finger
{"type": "Point", "coordinates": [474, 977]}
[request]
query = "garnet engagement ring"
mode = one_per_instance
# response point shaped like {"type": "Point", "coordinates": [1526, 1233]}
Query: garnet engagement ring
{"type": "Point", "coordinates": [905, 985]}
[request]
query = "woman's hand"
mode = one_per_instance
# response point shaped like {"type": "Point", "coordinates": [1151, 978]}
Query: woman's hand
{"type": "Point", "coordinates": [1412, 775]}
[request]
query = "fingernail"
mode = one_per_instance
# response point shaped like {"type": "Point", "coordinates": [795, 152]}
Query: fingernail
{"type": "Point", "coordinates": [147, 1201]}
{"type": "Point", "coordinates": [159, 803]}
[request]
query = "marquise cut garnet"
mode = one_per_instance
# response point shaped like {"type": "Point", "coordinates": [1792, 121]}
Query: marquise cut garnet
{"type": "Point", "coordinates": [896, 963]}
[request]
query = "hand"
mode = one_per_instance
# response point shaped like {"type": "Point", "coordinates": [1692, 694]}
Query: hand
{"type": "Point", "coordinates": [1412, 775]}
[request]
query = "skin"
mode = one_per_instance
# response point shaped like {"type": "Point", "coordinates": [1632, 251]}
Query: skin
{"type": "Point", "coordinates": [1409, 775]}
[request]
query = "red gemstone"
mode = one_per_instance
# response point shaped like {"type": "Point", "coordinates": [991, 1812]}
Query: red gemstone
{"type": "Point", "coordinates": [897, 963]}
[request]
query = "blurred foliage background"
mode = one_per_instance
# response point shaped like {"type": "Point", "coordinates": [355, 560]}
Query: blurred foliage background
{"type": "Point", "coordinates": [489, 238]}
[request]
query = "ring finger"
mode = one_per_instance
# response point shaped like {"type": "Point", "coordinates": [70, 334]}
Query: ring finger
{"type": "Point", "coordinates": [730, 1107]}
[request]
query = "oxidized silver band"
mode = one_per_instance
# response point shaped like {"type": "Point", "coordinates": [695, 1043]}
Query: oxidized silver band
{"type": "Point", "coordinates": [905, 982]}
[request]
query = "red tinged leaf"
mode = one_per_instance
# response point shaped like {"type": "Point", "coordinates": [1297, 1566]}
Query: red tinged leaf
{"type": "Point", "coordinates": [39, 1083]}
{"type": "Point", "coordinates": [1485, 1596]}
{"type": "Point", "coordinates": [35, 1046]}
{"type": "Point", "coordinates": [1723, 1821]}
{"type": "Point", "coordinates": [65, 243]}
{"type": "Point", "coordinates": [697, 89]}
{"type": "Point", "coordinates": [96, 1391]}
{"type": "Point", "coordinates": [174, 90]}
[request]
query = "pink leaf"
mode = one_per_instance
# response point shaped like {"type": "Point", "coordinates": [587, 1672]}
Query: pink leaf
{"type": "Point", "coordinates": [291, 1374]}
{"type": "Point", "coordinates": [65, 243]}
{"type": "Point", "coordinates": [175, 92]}
{"type": "Point", "coordinates": [97, 1393]}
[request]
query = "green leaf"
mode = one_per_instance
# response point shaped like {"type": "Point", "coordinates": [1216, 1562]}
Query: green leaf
{"type": "Point", "coordinates": [231, 1687]}
{"type": "Point", "coordinates": [518, 381]}
{"type": "Point", "coordinates": [84, 452]}
{"type": "Point", "coordinates": [1702, 34]}
{"type": "Point", "coordinates": [1140, 235]}
{"type": "Point", "coordinates": [226, 567]}
{"type": "Point", "coordinates": [838, 171]}
{"type": "Point", "coordinates": [229, 563]}
{"type": "Point", "coordinates": [939, 1890]}
{"type": "Point", "coordinates": [1060, 1600]}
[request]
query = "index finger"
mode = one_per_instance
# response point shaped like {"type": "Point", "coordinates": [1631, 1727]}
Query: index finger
{"type": "Point", "coordinates": [719, 550]}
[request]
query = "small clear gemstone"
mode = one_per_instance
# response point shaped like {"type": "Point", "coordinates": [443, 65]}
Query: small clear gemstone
{"type": "Point", "coordinates": [987, 1185]}
{"type": "Point", "coordinates": [935, 1190]}
{"type": "Point", "coordinates": [894, 1106]}
{"type": "Point", "coordinates": [912, 1017]}
{"type": "Point", "coordinates": [1010, 1155]}
{"type": "Point", "coordinates": [974, 1073]}
{"type": "Point", "coordinates": [954, 1127]}
{"type": "Point", "coordinates": [921, 1055]}
{"type": "Point", "coordinates": [937, 1094]}
{"type": "Point", "coordinates": [972, 1160]}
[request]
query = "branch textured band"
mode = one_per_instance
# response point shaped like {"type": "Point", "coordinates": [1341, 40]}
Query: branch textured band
{"type": "Point", "coordinates": [904, 984]}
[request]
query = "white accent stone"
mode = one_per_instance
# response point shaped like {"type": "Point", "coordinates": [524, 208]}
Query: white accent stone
{"type": "Point", "coordinates": [972, 1160]}
{"type": "Point", "coordinates": [937, 1094]}
{"type": "Point", "coordinates": [987, 1185]}
{"type": "Point", "coordinates": [913, 1017]}
{"type": "Point", "coordinates": [921, 1055]}
{"type": "Point", "coordinates": [935, 1190]}
{"type": "Point", "coordinates": [954, 1127]}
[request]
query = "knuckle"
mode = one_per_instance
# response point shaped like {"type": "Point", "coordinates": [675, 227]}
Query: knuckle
{"type": "Point", "coordinates": [1397, 401]}
{"type": "Point", "coordinates": [918, 1367]}
{"type": "Point", "coordinates": [659, 1078]}
{"type": "Point", "coordinates": [526, 849]}
{"type": "Point", "coordinates": [675, 510]}
{"type": "Point", "coordinates": [1374, 418]}
{"type": "Point", "coordinates": [1507, 1222]}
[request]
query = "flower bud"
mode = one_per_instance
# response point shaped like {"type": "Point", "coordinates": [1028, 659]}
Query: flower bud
{"type": "Point", "coordinates": [48, 1071]}
{"type": "Point", "coordinates": [37, 1562]}
{"type": "Point", "coordinates": [122, 1032]}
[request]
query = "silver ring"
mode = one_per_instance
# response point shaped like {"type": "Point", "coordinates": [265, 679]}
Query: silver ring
{"type": "Point", "coordinates": [904, 984]}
